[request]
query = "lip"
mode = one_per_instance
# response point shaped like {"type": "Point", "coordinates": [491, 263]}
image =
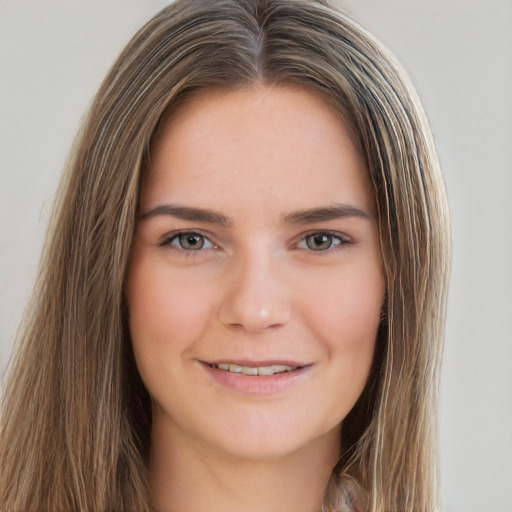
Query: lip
{"type": "Point", "coordinates": [255, 364]}
{"type": "Point", "coordinates": [263, 385]}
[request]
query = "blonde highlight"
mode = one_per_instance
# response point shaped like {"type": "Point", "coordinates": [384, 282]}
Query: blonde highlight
{"type": "Point", "coordinates": [74, 401]}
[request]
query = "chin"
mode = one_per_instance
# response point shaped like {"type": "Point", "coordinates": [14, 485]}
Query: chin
{"type": "Point", "coordinates": [260, 441]}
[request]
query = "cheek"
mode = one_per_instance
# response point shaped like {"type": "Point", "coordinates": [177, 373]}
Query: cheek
{"type": "Point", "coordinates": [349, 302]}
{"type": "Point", "coordinates": [167, 315]}
{"type": "Point", "coordinates": [345, 314]}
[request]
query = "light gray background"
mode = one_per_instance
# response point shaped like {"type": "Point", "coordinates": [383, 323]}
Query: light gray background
{"type": "Point", "coordinates": [53, 55]}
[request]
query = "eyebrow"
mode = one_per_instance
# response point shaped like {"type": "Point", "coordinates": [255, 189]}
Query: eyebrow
{"type": "Point", "coordinates": [335, 211]}
{"type": "Point", "coordinates": [320, 214]}
{"type": "Point", "coordinates": [188, 213]}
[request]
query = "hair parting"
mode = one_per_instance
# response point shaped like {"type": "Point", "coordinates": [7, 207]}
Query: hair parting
{"type": "Point", "coordinates": [76, 418]}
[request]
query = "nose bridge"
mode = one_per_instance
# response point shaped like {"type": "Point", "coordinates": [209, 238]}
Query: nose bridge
{"type": "Point", "coordinates": [255, 295]}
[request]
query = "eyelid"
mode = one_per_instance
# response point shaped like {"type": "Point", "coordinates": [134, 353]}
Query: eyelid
{"type": "Point", "coordinates": [169, 238]}
{"type": "Point", "coordinates": [343, 238]}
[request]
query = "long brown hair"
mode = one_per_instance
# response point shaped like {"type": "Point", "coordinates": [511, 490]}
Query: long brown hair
{"type": "Point", "coordinates": [76, 418]}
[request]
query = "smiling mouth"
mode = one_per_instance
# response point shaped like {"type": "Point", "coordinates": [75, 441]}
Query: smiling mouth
{"type": "Point", "coordinates": [254, 370]}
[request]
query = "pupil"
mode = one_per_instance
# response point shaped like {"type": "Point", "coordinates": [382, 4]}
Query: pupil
{"type": "Point", "coordinates": [191, 241]}
{"type": "Point", "coordinates": [319, 242]}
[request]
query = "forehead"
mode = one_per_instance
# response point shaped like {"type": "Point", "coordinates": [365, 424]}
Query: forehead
{"type": "Point", "coordinates": [247, 104]}
{"type": "Point", "coordinates": [269, 142]}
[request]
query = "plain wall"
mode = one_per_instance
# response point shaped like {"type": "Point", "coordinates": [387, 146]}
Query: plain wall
{"type": "Point", "coordinates": [53, 55]}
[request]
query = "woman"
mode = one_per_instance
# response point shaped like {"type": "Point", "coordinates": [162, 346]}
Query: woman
{"type": "Point", "coordinates": [240, 304]}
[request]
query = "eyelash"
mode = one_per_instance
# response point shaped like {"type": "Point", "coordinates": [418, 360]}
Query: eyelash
{"type": "Point", "coordinates": [337, 241]}
{"type": "Point", "coordinates": [172, 237]}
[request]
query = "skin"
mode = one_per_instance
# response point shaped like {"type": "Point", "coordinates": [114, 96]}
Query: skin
{"type": "Point", "coordinates": [265, 285]}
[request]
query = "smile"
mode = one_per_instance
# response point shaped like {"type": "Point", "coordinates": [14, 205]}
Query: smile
{"type": "Point", "coordinates": [252, 370]}
{"type": "Point", "coordinates": [263, 378]}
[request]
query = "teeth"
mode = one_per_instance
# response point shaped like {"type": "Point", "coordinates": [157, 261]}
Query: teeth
{"type": "Point", "coordinates": [234, 368]}
{"type": "Point", "coordinates": [276, 368]}
{"type": "Point", "coordinates": [260, 370]}
{"type": "Point", "coordinates": [246, 370]}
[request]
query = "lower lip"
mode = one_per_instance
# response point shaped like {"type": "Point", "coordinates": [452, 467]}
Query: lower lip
{"type": "Point", "coordinates": [256, 385]}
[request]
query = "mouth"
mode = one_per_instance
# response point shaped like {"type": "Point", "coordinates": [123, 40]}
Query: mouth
{"type": "Point", "coordinates": [254, 371]}
{"type": "Point", "coordinates": [257, 378]}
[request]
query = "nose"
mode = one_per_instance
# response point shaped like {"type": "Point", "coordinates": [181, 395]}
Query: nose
{"type": "Point", "coordinates": [255, 298]}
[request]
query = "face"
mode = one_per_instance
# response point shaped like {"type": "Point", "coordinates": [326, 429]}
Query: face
{"type": "Point", "coordinates": [255, 282]}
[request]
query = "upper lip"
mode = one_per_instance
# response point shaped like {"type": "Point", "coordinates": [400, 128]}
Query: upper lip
{"type": "Point", "coordinates": [257, 364]}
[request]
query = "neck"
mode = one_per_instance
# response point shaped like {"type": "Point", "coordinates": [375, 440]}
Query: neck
{"type": "Point", "coordinates": [186, 477]}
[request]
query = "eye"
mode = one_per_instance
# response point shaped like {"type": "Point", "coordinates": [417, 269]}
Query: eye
{"type": "Point", "coordinates": [321, 241]}
{"type": "Point", "coordinates": [188, 241]}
